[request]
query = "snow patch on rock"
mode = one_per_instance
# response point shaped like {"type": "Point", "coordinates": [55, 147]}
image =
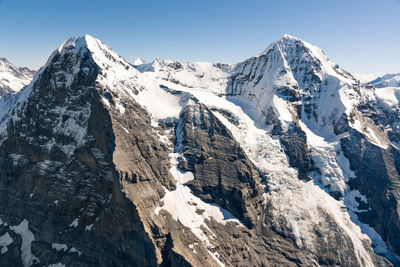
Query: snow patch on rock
{"type": "Point", "coordinates": [27, 238]}
{"type": "Point", "coordinates": [5, 241]}
{"type": "Point", "coordinates": [75, 223]}
{"type": "Point", "coordinates": [59, 247]}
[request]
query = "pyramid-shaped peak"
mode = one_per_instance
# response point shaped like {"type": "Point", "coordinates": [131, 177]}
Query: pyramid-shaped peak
{"type": "Point", "coordinates": [101, 53]}
{"type": "Point", "coordinates": [78, 42]}
{"type": "Point", "coordinates": [288, 44]}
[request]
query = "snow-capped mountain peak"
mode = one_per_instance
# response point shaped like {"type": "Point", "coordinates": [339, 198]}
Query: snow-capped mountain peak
{"type": "Point", "coordinates": [139, 61]}
{"type": "Point", "coordinates": [296, 71]}
{"type": "Point", "coordinates": [285, 39]}
{"type": "Point", "coordinates": [388, 80]}
{"type": "Point", "coordinates": [75, 42]}
{"type": "Point", "coordinates": [114, 72]}
{"type": "Point", "coordinates": [295, 51]}
{"type": "Point", "coordinates": [101, 53]}
{"type": "Point", "coordinates": [12, 79]}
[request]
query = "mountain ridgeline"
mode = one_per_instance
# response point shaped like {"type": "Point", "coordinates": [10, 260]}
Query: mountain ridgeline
{"type": "Point", "coordinates": [12, 79]}
{"type": "Point", "coordinates": [284, 159]}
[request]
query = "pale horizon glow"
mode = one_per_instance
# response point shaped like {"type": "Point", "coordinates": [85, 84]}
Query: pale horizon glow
{"type": "Point", "coordinates": [359, 35]}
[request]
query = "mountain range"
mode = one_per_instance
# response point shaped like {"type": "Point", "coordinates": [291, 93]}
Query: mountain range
{"type": "Point", "coordinates": [284, 159]}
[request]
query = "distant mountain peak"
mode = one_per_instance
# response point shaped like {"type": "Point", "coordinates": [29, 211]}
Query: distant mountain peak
{"type": "Point", "coordinates": [139, 61]}
{"type": "Point", "coordinates": [12, 78]}
{"type": "Point", "coordinates": [388, 80]}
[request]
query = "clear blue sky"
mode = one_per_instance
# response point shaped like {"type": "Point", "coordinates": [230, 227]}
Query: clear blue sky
{"type": "Point", "coordinates": [360, 35]}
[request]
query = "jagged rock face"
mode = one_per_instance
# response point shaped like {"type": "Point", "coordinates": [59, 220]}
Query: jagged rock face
{"type": "Point", "coordinates": [377, 178]}
{"type": "Point", "coordinates": [222, 172]}
{"type": "Point", "coordinates": [102, 164]}
{"type": "Point", "coordinates": [63, 181]}
{"type": "Point", "coordinates": [12, 79]}
{"type": "Point", "coordinates": [375, 163]}
{"type": "Point", "coordinates": [294, 141]}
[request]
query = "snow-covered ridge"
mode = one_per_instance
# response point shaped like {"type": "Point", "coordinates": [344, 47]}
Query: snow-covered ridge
{"type": "Point", "coordinates": [191, 74]}
{"type": "Point", "coordinates": [13, 79]}
{"type": "Point", "coordinates": [366, 78]}
{"type": "Point", "coordinates": [11, 103]}
{"type": "Point", "coordinates": [388, 80]}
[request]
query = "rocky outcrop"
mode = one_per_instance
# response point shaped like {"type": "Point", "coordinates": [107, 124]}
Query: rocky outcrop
{"type": "Point", "coordinates": [294, 141]}
{"type": "Point", "coordinates": [222, 172]}
{"type": "Point", "coordinates": [377, 177]}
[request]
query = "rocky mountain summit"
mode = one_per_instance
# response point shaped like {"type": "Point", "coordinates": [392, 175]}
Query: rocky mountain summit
{"type": "Point", "coordinates": [12, 79]}
{"type": "Point", "coordinates": [284, 159]}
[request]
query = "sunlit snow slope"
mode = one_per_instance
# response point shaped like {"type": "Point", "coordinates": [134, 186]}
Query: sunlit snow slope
{"type": "Point", "coordinates": [12, 79]}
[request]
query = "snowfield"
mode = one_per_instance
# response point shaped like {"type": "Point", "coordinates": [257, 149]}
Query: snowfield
{"type": "Point", "coordinates": [302, 204]}
{"type": "Point", "coordinates": [290, 83]}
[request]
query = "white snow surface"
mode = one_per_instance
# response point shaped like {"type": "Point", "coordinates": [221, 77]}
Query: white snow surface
{"type": "Point", "coordinates": [59, 247]}
{"type": "Point", "coordinates": [366, 78]}
{"type": "Point", "coordinates": [27, 238]}
{"type": "Point", "coordinates": [74, 250]}
{"type": "Point", "coordinates": [351, 202]}
{"type": "Point", "coordinates": [75, 223]}
{"type": "Point", "coordinates": [5, 241]}
{"type": "Point", "coordinates": [12, 77]}
{"type": "Point", "coordinates": [388, 80]}
{"type": "Point", "coordinates": [389, 96]}
{"type": "Point", "coordinates": [388, 89]}
{"type": "Point", "coordinates": [204, 75]}
{"type": "Point", "coordinates": [139, 61]}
